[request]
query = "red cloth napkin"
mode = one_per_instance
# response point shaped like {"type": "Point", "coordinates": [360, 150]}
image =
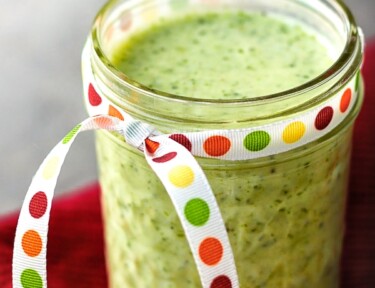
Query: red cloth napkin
{"type": "Point", "coordinates": [75, 244]}
{"type": "Point", "coordinates": [75, 247]}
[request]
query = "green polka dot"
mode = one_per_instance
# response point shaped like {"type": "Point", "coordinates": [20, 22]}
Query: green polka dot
{"type": "Point", "coordinates": [357, 80]}
{"type": "Point", "coordinates": [71, 134]}
{"type": "Point", "coordinates": [257, 141]}
{"type": "Point", "coordinates": [31, 279]}
{"type": "Point", "coordinates": [197, 212]}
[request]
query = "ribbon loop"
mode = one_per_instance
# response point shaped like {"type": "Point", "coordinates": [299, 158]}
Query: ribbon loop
{"type": "Point", "coordinates": [30, 244]}
{"type": "Point", "coordinates": [176, 167]}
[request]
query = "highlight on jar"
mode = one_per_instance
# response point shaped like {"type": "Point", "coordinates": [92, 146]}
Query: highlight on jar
{"type": "Point", "coordinates": [223, 139]}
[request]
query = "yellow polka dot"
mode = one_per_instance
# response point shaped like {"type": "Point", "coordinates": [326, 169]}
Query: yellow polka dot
{"type": "Point", "coordinates": [151, 13]}
{"type": "Point", "coordinates": [50, 169]}
{"type": "Point", "coordinates": [181, 176]}
{"type": "Point", "coordinates": [294, 132]}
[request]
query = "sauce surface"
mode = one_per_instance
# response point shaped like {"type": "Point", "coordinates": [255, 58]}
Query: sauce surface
{"type": "Point", "coordinates": [222, 55]}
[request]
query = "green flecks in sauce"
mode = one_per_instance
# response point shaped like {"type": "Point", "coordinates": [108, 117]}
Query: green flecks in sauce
{"type": "Point", "coordinates": [285, 227]}
{"type": "Point", "coordinates": [231, 55]}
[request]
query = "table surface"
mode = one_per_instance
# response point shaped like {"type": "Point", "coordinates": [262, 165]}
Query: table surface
{"type": "Point", "coordinates": [40, 44]}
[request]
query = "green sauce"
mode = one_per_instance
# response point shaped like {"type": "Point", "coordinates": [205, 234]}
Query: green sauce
{"type": "Point", "coordinates": [232, 55]}
{"type": "Point", "coordinates": [283, 214]}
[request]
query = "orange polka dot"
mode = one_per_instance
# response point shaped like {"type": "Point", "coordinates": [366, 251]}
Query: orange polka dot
{"type": "Point", "coordinates": [151, 146]}
{"type": "Point", "coordinates": [345, 100]}
{"type": "Point", "coordinates": [217, 145]}
{"type": "Point", "coordinates": [112, 111]}
{"type": "Point", "coordinates": [32, 243]}
{"type": "Point", "coordinates": [211, 251]}
{"type": "Point", "coordinates": [103, 121]}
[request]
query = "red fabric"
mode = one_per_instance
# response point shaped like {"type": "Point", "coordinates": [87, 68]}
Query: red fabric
{"type": "Point", "coordinates": [75, 242]}
{"type": "Point", "coordinates": [75, 247]}
{"type": "Point", "coordinates": [358, 265]}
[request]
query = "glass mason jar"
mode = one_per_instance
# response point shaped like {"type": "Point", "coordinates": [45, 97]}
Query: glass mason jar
{"type": "Point", "coordinates": [284, 213]}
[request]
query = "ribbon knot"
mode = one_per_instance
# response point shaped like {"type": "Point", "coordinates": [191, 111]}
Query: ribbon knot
{"type": "Point", "coordinates": [136, 132]}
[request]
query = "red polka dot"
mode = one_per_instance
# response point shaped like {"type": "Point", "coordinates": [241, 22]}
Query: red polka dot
{"type": "Point", "coordinates": [38, 205]}
{"type": "Point", "coordinates": [217, 145]}
{"type": "Point", "coordinates": [221, 281]}
{"type": "Point", "coordinates": [94, 97]}
{"type": "Point", "coordinates": [345, 100]}
{"type": "Point", "coordinates": [324, 118]}
{"type": "Point", "coordinates": [183, 140]}
{"type": "Point", "coordinates": [211, 251]}
{"type": "Point", "coordinates": [165, 158]}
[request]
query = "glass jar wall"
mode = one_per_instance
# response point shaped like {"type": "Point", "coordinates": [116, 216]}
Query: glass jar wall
{"type": "Point", "coordinates": [283, 213]}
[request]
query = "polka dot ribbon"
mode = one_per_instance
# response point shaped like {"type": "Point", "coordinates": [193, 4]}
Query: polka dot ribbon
{"type": "Point", "coordinates": [172, 159]}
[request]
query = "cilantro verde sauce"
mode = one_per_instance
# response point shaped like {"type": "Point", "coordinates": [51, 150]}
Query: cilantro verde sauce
{"type": "Point", "coordinates": [283, 217]}
{"type": "Point", "coordinates": [232, 55]}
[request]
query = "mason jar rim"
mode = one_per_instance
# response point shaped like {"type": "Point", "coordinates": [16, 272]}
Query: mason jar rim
{"type": "Point", "coordinates": [352, 40]}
